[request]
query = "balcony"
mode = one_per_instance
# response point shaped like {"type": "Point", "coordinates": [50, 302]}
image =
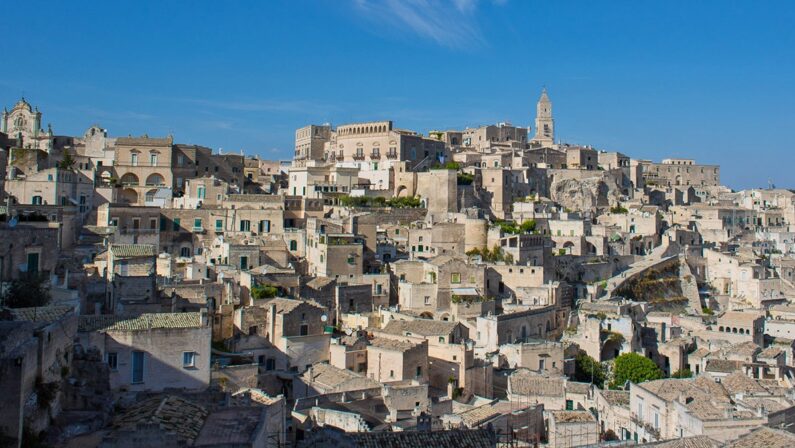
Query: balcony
{"type": "Point", "coordinates": [650, 430]}
{"type": "Point", "coordinates": [358, 156]}
{"type": "Point", "coordinates": [375, 155]}
{"type": "Point", "coordinates": [391, 155]}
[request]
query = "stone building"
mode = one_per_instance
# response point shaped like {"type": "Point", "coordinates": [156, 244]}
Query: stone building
{"type": "Point", "coordinates": [143, 166]}
{"type": "Point", "coordinates": [152, 352]}
{"type": "Point", "coordinates": [391, 360]}
{"type": "Point", "coordinates": [680, 172]}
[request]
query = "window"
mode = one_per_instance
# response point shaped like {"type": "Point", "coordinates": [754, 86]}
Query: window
{"type": "Point", "coordinates": [569, 405]}
{"type": "Point", "coordinates": [137, 362]}
{"type": "Point", "coordinates": [184, 252]}
{"type": "Point", "coordinates": [243, 262]}
{"type": "Point", "coordinates": [153, 223]}
{"type": "Point", "coordinates": [219, 225]}
{"type": "Point", "coordinates": [264, 226]}
{"type": "Point", "coordinates": [180, 160]}
{"type": "Point", "coordinates": [176, 224]}
{"type": "Point", "coordinates": [455, 277]}
{"type": "Point", "coordinates": [351, 259]}
{"type": "Point", "coordinates": [378, 290]}
{"type": "Point", "coordinates": [113, 360]}
{"type": "Point", "coordinates": [134, 159]}
{"type": "Point", "coordinates": [197, 223]}
{"type": "Point", "coordinates": [153, 159]}
{"type": "Point", "coordinates": [427, 300]}
{"type": "Point", "coordinates": [162, 224]}
{"type": "Point", "coordinates": [293, 245]}
{"type": "Point", "coordinates": [36, 200]}
{"type": "Point", "coordinates": [188, 359]}
{"type": "Point", "coordinates": [33, 262]}
{"type": "Point", "coordinates": [245, 225]}
{"type": "Point", "coordinates": [270, 364]}
{"type": "Point", "coordinates": [419, 371]}
{"type": "Point", "coordinates": [304, 330]}
{"type": "Point", "coordinates": [200, 192]}
{"type": "Point", "coordinates": [391, 373]}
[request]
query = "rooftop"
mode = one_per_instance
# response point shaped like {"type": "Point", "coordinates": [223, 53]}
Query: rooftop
{"type": "Point", "coordinates": [572, 416]}
{"type": "Point", "coordinates": [40, 313]}
{"type": "Point", "coordinates": [133, 250]}
{"type": "Point", "coordinates": [422, 327]}
{"type": "Point", "coordinates": [392, 344]}
{"type": "Point", "coordinates": [148, 321]}
{"type": "Point", "coordinates": [173, 414]}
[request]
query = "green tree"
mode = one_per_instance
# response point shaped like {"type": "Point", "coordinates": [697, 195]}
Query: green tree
{"type": "Point", "coordinates": [587, 369]}
{"type": "Point", "coordinates": [682, 373]}
{"type": "Point", "coordinates": [635, 368]}
{"type": "Point", "coordinates": [30, 289]}
{"type": "Point", "coordinates": [528, 226]}
{"type": "Point", "coordinates": [264, 292]}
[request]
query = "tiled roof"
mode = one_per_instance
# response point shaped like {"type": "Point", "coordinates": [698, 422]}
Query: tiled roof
{"type": "Point", "coordinates": [148, 321]}
{"type": "Point", "coordinates": [572, 416]}
{"type": "Point", "coordinates": [231, 427]}
{"type": "Point", "coordinates": [457, 438]}
{"type": "Point", "coordinates": [133, 250]}
{"type": "Point", "coordinates": [770, 352]}
{"type": "Point", "coordinates": [722, 365]}
{"type": "Point", "coordinates": [616, 397]}
{"type": "Point", "coordinates": [738, 382]}
{"type": "Point", "coordinates": [143, 141]}
{"type": "Point", "coordinates": [687, 442]}
{"type": "Point", "coordinates": [254, 198]}
{"type": "Point", "coordinates": [330, 376]}
{"type": "Point", "coordinates": [573, 387]}
{"type": "Point", "coordinates": [764, 437]}
{"type": "Point", "coordinates": [174, 414]}
{"type": "Point", "coordinates": [287, 305]}
{"type": "Point", "coordinates": [40, 313]}
{"type": "Point", "coordinates": [525, 382]}
{"type": "Point", "coordinates": [746, 348]}
{"type": "Point", "coordinates": [391, 344]}
{"type": "Point", "coordinates": [422, 327]}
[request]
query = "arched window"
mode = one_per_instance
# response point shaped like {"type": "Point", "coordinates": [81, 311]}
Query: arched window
{"type": "Point", "coordinates": [155, 180]}
{"type": "Point", "coordinates": [36, 200]}
{"type": "Point", "coordinates": [293, 245]}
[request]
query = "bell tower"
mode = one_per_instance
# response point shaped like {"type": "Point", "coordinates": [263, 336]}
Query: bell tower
{"type": "Point", "coordinates": [545, 124]}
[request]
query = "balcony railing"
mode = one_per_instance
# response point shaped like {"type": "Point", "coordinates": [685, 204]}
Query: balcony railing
{"type": "Point", "coordinates": [391, 155]}
{"type": "Point", "coordinates": [375, 155]}
{"type": "Point", "coordinates": [358, 157]}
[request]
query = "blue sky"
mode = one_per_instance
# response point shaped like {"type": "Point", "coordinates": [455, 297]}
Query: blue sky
{"type": "Point", "coordinates": [707, 79]}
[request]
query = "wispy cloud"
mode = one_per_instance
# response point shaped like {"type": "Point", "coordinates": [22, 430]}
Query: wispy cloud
{"type": "Point", "coordinates": [450, 23]}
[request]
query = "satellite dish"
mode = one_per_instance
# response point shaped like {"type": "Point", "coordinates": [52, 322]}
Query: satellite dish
{"type": "Point", "coordinates": [323, 318]}
{"type": "Point", "coordinates": [348, 331]}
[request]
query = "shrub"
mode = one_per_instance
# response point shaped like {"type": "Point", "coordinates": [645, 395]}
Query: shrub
{"type": "Point", "coordinates": [264, 292]}
{"type": "Point", "coordinates": [682, 373]}
{"type": "Point", "coordinates": [587, 370]}
{"type": "Point", "coordinates": [635, 368]}
{"type": "Point", "coordinates": [619, 210]}
{"type": "Point", "coordinates": [28, 290]}
{"type": "Point", "coordinates": [465, 179]}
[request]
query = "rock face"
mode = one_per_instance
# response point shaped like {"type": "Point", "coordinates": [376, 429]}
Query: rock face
{"type": "Point", "coordinates": [585, 194]}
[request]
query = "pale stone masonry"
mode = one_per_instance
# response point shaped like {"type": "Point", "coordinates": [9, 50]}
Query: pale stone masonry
{"type": "Point", "coordinates": [387, 286]}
